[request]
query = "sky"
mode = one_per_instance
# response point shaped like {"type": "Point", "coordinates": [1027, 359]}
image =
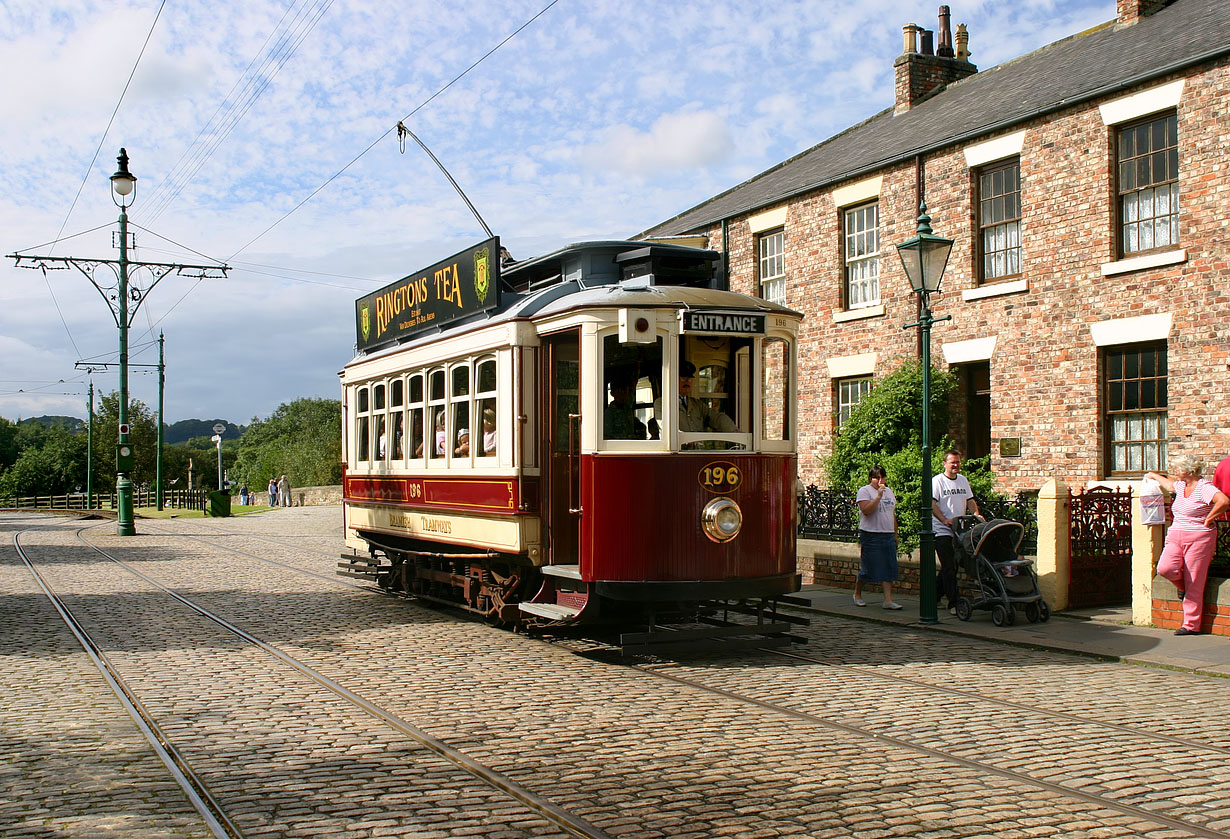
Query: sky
{"type": "Point", "coordinates": [262, 134]}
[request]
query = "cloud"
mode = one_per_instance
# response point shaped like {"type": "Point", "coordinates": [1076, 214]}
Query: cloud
{"type": "Point", "coordinates": [675, 142]}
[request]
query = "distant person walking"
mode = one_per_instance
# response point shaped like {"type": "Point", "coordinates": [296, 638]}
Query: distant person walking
{"type": "Point", "coordinates": [273, 492]}
{"type": "Point", "coordinates": [243, 495]}
{"type": "Point", "coordinates": [284, 491]}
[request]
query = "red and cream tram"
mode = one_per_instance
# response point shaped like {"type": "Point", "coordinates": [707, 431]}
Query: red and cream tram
{"type": "Point", "coordinates": [594, 433]}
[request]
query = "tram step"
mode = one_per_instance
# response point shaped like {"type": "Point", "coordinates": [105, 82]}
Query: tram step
{"type": "Point", "coordinates": [571, 572]}
{"type": "Point", "coordinates": [552, 611]}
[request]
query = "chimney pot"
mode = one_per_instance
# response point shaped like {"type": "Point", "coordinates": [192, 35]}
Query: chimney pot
{"type": "Point", "coordinates": [945, 45]}
{"type": "Point", "coordinates": [963, 52]}
{"type": "Point", "coordinates": [928, 47]}
{"type": "Point", "coordinates": [910, 31]}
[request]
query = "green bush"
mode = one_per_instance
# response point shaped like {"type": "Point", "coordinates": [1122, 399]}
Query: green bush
{"type": "Point", "coordinates": [886, 429]}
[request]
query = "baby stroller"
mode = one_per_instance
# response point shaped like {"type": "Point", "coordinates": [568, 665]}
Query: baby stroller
{"type": "Point", "coordinates": [996, 576]}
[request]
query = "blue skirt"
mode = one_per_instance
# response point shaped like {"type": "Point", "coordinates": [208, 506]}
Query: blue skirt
{"type": "Point", "coordinates": [878, 557]}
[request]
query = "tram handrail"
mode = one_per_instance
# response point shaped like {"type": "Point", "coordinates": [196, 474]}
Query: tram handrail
{"type": "Point", "coordinates": [572, 459]}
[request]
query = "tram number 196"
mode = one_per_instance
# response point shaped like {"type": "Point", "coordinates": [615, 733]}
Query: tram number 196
{"type": "Point", "coordinates": [721, 476]}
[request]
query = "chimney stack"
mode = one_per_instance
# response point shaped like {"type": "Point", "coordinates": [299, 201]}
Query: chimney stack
{"type": "Point", "coordinates": [921, 74]}
{"type": "Point", "coordinates": [1131, 11]}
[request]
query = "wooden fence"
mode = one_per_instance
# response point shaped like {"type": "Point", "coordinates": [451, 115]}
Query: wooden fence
{"type": "Point", "coordinates": [175, 499]}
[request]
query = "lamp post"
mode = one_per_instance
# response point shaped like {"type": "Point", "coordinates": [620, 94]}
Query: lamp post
{"type": "Point", "coordinates": [124, 192]}
{"type": "Point", "coordinates": [924, 258]}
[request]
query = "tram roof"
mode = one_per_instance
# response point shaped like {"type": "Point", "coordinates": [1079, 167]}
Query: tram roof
{"type": "Point", "coordinates": [600, 274]}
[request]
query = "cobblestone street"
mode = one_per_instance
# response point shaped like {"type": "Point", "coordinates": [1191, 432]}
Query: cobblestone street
{"type": "Point", "coordinates": [867, 730]}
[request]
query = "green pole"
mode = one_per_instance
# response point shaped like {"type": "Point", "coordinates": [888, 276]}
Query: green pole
{"type": "Point", "coordinates": [89, 452]}
{"type": "Point", "coordinates": [927, 610]}
{"type": "Point", "coordinates": [123, 480]}
{"type": "Point", "coordinates": [162, 384]}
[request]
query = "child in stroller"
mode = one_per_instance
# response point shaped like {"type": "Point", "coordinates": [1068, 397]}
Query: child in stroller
{"type": "Point", "coordinates": [996, 576]}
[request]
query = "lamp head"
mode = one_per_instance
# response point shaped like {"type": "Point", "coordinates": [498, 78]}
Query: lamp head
{"type": "Point", "coordinates": [123, 183]}
{"type": "Point", "coordinates": [925, 256]}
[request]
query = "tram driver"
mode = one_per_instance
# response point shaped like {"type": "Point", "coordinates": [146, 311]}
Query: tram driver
{"type": "Point", "coordinates": [619, 420]}
{"type": "Point", "coordinates": [697, 414]}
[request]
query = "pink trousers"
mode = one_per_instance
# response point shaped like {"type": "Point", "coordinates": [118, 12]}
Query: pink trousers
{"type": "Point", "coordinates": [1185, 562]}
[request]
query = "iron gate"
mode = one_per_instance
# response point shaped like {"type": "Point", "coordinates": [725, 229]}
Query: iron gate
{"type": "Point", "coordinates": [1100, 547]}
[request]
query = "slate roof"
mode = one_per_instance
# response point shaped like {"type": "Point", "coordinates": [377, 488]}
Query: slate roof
{"type": "Point", "coordinates": [1083, 67]}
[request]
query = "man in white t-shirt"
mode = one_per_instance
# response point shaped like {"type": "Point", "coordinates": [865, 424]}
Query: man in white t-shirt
{"type": "Point", "coordinates": [951, 497]}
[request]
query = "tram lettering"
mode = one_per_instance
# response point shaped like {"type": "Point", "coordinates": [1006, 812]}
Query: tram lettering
{"type": "Point", "coordinates": [390, 304]}
{"type": "Point", "coordinates": [720, 476]}
{"type": "Point", "coordinates": [400, 520]}
{"type": "Point", "coordinates": [447, 286]}
{"type": "Point", "coordinates": [436, 525]}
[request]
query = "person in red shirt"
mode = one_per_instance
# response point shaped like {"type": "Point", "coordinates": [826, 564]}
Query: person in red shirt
{"type": "Point", "coordinates": [1221, 480]}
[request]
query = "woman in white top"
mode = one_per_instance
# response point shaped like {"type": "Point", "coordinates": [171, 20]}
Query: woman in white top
{"type": "Point", "coordinates": [877, 537]}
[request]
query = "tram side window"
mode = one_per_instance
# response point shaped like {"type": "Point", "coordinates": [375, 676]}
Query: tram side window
{"type": "Point", "coordinates": [436, 409]}
{"type": "Point", "coordinates": [378, 406]}
{"type": "Point", "coordinates": [632, 378]}
{"type": "Point", "coordinates": [485, 414]}
{"type": "Point", "coordinates": [460, 399]}
{"type": "Point", "coordinates": [775, 388]}
{"type": "Point", "coordinates": [362, 427]}
{"type": "Point", "coordinates": [416, 414]}
{"type": "Point", "coordinates": [396, 399]}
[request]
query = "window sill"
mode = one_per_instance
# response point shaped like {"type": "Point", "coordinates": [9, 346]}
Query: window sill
{"type": "Point", "coordinates": [1137, 263]}
{"type": "Point", "coordinates": [995, 290]}
{"type": "Point", "coordinates": [859, 314]}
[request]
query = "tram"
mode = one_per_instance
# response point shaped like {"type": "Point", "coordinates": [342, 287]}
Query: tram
{"type": "Point", "coordinates": [595, 434]}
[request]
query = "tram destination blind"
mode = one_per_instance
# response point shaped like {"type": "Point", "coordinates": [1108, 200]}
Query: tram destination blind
{"type": "Point", "coordinates": [739, 323]}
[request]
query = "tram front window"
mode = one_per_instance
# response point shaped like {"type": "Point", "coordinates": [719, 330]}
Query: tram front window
{"type": "Point", "coordinates": [715, 379]}
{"type": "Point", "coordinates": [632, 381]}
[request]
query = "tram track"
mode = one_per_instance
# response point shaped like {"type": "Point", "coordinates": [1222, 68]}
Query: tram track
{"type": "Point", "coordinates": [1145, 812]}
{"type": "Point", "coordinates": [203, 799]}
{"type": "Point", "coordinates": [909, 745]}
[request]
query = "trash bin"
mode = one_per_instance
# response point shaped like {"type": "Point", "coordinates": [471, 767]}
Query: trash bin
{"type": "Point", "coordinates": [219, 504]}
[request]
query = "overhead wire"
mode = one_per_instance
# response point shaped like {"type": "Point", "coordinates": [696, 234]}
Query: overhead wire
{"type": "Point", "coordinates": [391, 129]}
{"type": "Point", "coordinates": [281, 53]}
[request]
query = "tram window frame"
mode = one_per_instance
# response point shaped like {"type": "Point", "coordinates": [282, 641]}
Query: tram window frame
{"type": "Point", "coordinates": [784, 385]}
{"type": "Point", "coordinates": [415, 406]}
{"type": "Point", "coordinates": [397, 415]}
{"type": "Point", "coordinates": [363, 424]}
{"type": "Point", "coordinates": [486, 397]}
{"type": "Point", "coordinates": [740, 361]}
{"type": "Point", "coordinates": [437, 413]}
{"type": "Point", "coordinates": [460, 409]}
{"type": "Point", "coordinates": [645, 364]}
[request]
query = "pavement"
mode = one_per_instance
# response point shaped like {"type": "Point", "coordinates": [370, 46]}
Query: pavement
{"type": "Point", "coordinates": [1104, 633]}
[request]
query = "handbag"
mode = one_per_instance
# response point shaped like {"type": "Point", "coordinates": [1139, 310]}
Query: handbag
{"type": "Point", "coordinates": [1152, 503]}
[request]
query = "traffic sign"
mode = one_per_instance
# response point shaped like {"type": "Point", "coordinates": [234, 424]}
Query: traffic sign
{"type": "Point", "coordinates": [219, 427]}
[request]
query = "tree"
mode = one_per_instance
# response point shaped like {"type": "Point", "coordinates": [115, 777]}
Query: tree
{"type": "Point", "coordinates": [302, 440]}
{"type": "Point", "coordinates": [142, 434]}
{"type": "Point", "coordinates": [55, 466]}
{"type": "Point", "coordinates": [886, 429]}
{"type": "Point", "coordinates": [8, 443]}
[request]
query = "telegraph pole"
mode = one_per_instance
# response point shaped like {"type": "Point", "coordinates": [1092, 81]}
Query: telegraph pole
{"type": "Point", "coordinates": [123, 185]}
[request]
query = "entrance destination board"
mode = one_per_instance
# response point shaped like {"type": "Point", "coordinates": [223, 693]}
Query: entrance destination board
{"type": "Point", "coordinates": [740, 323]}
{"type": "Point", "coordinates": [461, 285]}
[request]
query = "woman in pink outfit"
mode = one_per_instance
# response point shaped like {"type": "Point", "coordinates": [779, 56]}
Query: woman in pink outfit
{"type": "Point", "coordinates": [1192, 536]}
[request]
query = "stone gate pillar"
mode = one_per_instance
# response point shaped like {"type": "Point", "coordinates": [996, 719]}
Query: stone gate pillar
{"type": "Point", "coordinates": [1147, 543]}
{"type": "Point", "coordinates": [1053, 558]}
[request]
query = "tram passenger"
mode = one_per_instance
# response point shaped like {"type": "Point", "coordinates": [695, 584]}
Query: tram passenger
{"type": "Point", "coordinates": [697, 414]}
{"type": "Point", "coordinates": [489, 435]}
{"type": "Point", "coordinates": [619, 421]}
{"type": "Point", "coordinates": [462, 448]}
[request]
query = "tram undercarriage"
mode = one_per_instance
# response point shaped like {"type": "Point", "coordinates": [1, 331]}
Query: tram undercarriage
{"type": "Point", "coordinates": [554, 599]}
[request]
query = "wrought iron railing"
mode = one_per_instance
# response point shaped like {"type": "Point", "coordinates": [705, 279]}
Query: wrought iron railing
{"type": "Point", "coordinates": [833, 515]}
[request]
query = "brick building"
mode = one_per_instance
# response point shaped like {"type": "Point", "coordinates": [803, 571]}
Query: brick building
{"type": "Point", "coordinates": [1086, 186]}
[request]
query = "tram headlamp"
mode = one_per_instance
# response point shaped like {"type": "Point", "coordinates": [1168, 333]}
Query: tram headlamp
{"type": "Point", "coordinates": [721, 519]}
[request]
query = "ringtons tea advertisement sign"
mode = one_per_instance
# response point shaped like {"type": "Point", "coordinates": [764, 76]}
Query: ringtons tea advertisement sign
{"type": "Point", "coordinates": [461, 285]}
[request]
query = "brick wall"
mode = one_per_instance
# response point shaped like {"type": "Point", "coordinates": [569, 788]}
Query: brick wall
{"type": "Point", "coordinates": [1045, 367]}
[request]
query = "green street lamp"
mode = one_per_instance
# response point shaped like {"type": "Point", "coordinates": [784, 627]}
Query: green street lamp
{"type": "Point", "coordinates": [924, 258]}
{"type": "Point", "coordinates": [124, 192]}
